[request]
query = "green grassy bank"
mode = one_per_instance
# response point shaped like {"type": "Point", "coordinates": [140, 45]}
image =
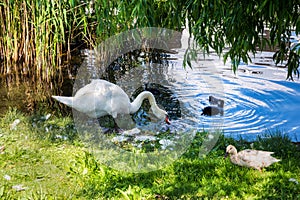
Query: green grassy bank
{"type": "Point", "coordinates": [36, 162]}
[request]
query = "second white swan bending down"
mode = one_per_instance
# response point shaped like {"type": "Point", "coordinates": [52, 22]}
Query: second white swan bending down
{"type": "Point", "coordinates": [100, 98]}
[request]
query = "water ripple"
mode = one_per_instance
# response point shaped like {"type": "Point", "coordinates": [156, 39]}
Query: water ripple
{"type": "Point", "coordinates": [257, 99]}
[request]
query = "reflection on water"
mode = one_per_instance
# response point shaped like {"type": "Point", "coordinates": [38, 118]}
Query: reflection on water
{"type": "Point", "coordinates": [257, 98]}
{"type": "Point", "coordinates": [184, 86]}
{"type": "Point", "coordinates": [261, 101]}
{"type": "Point", "coordinates": [31, 96]}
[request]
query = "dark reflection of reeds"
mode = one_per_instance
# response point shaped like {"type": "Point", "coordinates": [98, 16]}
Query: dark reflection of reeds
{"type": "Point", "coordinates": [33, 96]}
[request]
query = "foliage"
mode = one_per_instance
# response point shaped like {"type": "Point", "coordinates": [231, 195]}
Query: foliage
{"type": "Point", "coordinates": [240, 25]}
{"type": "Point", "coordinates": [39, 39]}
{"type": "Point", "coordinates": [45, 31]}
{"type": "Point", "coordinates": [36, 36]}
{"type": "Point", "coordinates": [116, 16]}
{"type": "Point", "coordinates": [45, 168]}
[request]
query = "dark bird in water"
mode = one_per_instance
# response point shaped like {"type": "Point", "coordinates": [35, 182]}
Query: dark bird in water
{"type": "Point", "coordinates": [212, 110]}
{"type": "Point", "coordinates": [216, 108]}
{"type": "Point", "coordinates": [215, 101]}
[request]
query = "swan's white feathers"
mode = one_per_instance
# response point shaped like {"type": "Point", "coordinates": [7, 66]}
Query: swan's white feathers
{"type": "Point", "coordinates": [112, 98]}
{"type": "Point", "coordinates": [100, 98]}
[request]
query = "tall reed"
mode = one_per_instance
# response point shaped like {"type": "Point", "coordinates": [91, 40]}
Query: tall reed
{"type": "Point", "coordinates": [35, 35]}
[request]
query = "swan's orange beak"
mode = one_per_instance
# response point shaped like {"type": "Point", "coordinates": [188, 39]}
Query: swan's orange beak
{"type": "Point", "coordinates": [167, 120]}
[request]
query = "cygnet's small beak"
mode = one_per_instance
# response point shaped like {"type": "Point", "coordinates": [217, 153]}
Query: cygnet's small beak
{"type": "Point", "coordinates": [167, 120]}
{"type": "Point", "coordinates": [226, 154]}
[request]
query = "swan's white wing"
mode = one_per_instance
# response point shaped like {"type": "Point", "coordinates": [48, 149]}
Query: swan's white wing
{"type": "Point", "coordinates": [116, 100]}
{"type": "Point", "coordinates": [101, 98]}
{"type": "Point", "coordinates": [86, 104]}
{"type": "Point", "coordinates": [91, 87]}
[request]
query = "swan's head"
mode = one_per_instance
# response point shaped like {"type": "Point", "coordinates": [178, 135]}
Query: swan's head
{"type": "Point", "coordinates": [230, 150]}
{"type": "Point", "coordinates": [167, 120]}
{"type": "Point", "coordinates": [160, 114]}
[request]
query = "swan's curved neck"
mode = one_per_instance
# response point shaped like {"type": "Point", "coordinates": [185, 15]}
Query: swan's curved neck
{"type": "Point", "coordinates": [136, 104]}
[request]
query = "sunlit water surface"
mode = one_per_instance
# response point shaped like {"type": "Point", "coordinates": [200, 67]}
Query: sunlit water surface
{"type": "Point", "coordinates": [258, 98]}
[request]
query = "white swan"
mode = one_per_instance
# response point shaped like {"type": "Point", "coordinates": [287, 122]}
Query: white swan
{"type": "Point", "coordinates": [100, 98]}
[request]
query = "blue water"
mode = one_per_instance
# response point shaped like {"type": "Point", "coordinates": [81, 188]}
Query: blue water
{"type": "Point", "coordinates": [258, 98]}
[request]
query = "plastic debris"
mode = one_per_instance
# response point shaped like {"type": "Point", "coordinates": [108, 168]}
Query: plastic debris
{"type": "Point", "coordinates": [165, 143]}
{"type": "Point", "coordinates": [2, 148]}
{"type": "Point", "coordinates": [294, 180]}
{"type": "Point", "coordinates": [46, 117]}
{"type": "Point", "coordinates": [131, 132]}
{"type": "Point", "coordinates": [7, 177]}
{"type": "Point", "coordinates": [145, 138]}
{"type": "Point", "coordinates": [19, 187]}
{"type": "Point", "coordinates": [119, 138]}
{"type": "Point", "coordinates": [13, 126]}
